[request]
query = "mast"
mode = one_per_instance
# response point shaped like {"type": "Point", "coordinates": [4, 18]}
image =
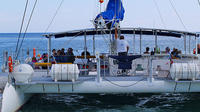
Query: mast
{"type": "Point", "coordinates": [110, 19]}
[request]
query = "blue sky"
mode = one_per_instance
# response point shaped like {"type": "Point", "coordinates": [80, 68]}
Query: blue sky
{"type": "Point", "coordinates": [76, 14]}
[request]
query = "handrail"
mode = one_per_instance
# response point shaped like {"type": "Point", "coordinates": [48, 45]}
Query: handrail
{"type": "Point", "coordinates": [88, 57]}
{"type": "Point", "coordinates": [47, 64]}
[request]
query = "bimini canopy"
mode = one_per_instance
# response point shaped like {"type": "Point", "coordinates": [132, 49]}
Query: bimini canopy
{"type": "Point", "coordinates": [137, 31]}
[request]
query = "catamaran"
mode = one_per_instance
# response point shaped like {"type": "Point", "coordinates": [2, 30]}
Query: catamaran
{"type": "Point", "coordinates": [156, 72]}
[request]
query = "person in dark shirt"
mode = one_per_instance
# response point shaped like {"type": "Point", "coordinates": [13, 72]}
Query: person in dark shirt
{"type": "Point", "coordinates": [87, 53]}
{"type": "Point", "coordinates": [45, 57]}
{"type": "Point", "coordinates": [147, 51]}
{"type": "Point", "coordinates": [167, 50]}
{"type": "Point", "coordinates": [62, 53]}
{"type": "Point", "coordinates": [198, 48]}
{"type": "Point", "coordinates": [59, 53]}
{"type": "Point", "coordinates": [69, 52]}
{"type": "Point", "coordinates": [175, 53]}
{"type": "Point", "coordinates": [54, 52]}
{"type": "Point", "coordinates": [70, 56]}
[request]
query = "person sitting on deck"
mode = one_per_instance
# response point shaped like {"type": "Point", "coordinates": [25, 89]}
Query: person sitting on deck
{"type": "Point", "coordinates": [174, 54]}
{"type": "Point", "coordinates": [39, 58]}
{"type": "Point", "coordinates": [198, 49]}
{"type": "Point", "coordinates": [147, 51]}
{"type": "Point", "coordinates": [34, 60]}
{"type": "Point", "coordinates": [62, 53]}
{"type": "Point", "coordinates": [87, 53]}
{"type": "Point", "coordinates": [70, 56]}
{"type": "Point", "coordinates": [167, 50]}
{"type": "Point", "coordinates": [69, 52]}
{"type": "Point", "coordinates": [45, 57]}
{"type": "Point", "coordinates": [28, 60]}
{"type": "Point", "coordinates": [53, 56]}
{"type": "Point", "coordinates": [59, 53]}
{"type": "Point", "coordinates": [153, 52]}
{"type": "Point", "coordinates": [54, 52]}
{"type": "Point", "coordinates": [122, 46]}
{"type": "Point", "coordinates": [157, 50]}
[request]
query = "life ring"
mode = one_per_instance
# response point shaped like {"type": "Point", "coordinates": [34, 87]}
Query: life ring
{"type": "Point", "coordinates": [10, 64]}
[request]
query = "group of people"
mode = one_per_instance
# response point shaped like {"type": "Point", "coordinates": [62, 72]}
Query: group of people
{"type": "Point", "coordinates": [174, 54]}
{"type": "Point", "coordinates": [68, 53]}
{"type": "Point", "coordinates": [62, 52]}
{"type": "Point", "coordinates": [68, 57]}
{"type": "Point", "coordinates": [35, 59]}
{"type": "Point", "coordinates": [57, 56]}
{"type": "Point", "coordinates": [156, 51]}
{"type": "Point", "coordinates": [122, 49]}
{"type": "Point", "coordinates": [61, 56]}
{"type": "Point", "coordinates": [38, 58]}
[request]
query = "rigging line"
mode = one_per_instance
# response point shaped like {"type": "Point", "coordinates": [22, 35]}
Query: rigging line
{"type": "Point", "coordinates": [115, 9]}
{"type": "Point", "coordinates": [26, 28]}
{"type": "Point", "coordinates": [121, 85]}
{"type": "Point", "coordinates": [55, 14]}
{"type": "Point", "coordinates": [106, 41]}
{"type": "Point", "coordinates": [157, 7]}
{"type": "Point", "coordinates": [69, 41]}
{"type": "Point", "coordinates": [22, 24]}
{"type": "Point", "coordinates": [179, 17]}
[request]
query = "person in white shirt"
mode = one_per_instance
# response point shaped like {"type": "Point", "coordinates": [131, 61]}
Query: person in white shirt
{"type": "Point", "coordinates": [122, 46]}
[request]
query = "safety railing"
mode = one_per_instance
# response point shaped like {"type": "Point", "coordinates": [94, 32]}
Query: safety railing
{"type": "Point", "coordinates": [147, 65]}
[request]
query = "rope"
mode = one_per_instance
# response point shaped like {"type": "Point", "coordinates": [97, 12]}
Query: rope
{"type": "Point", "coordinates": [124, 86]}
{"type": "Point", "coordinates": [27, 28]}
{"type": "Point", "coordinates": [68, 42]}
{"type": "Point", "coordinates": [158, 9]}
{"type": "Point", "coordinates": [21, 26]}
{"type": "Point", "coordinates": [179, 17]}
{"type": "Point", "coordinates": [55, 14]}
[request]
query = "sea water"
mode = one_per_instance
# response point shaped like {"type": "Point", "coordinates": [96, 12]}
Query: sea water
{"type": "Point", "coordinates": [101, 102]}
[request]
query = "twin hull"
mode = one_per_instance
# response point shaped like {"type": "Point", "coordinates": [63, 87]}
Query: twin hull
{"type": "Point", "coordinates": [15, 97]}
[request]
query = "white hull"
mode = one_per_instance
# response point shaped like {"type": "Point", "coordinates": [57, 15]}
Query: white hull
{"type": "Point", "coordinates": [13, 98]}
{"type": "Point", "coordinates": [114, 87]}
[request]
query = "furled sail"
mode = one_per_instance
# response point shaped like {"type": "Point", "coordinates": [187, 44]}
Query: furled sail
{"type": "Point", "coordinates": [114, 13]}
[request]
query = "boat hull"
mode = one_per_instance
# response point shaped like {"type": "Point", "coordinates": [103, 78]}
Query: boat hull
{"type": "Point", "coordinates": [13, 98]}
{"type": "Point", "coordinates": [114, 87]}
